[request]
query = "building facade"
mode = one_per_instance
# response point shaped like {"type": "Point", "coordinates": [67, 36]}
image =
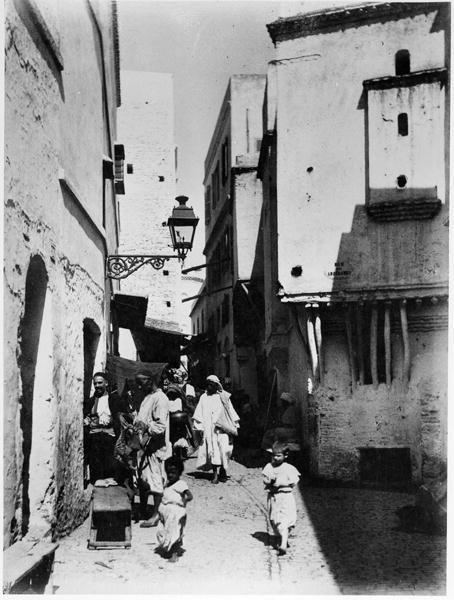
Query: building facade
{"type": "Point", "coordinates": [233, 200]}
{"type": "Point", "coordinates": [62, 92]}
{"type": "Point", "coordinates": [148, 306]}
{"type": "Point", "coordinates": [354, 166]}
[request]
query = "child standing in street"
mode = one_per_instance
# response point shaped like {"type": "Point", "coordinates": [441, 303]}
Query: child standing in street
{"type": "Point", "coordinates": [172, 510]}
{"type": "Point", "coordinates": [280, 478]}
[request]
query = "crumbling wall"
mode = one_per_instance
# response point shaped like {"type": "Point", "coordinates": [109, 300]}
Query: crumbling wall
{"type": "Point", "coordinates": [73, 296]}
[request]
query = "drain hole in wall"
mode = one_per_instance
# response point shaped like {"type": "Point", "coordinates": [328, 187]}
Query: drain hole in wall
{"type": "Point", "coordinates": [297, 271]}
{"type": "Point", "coordinates": [401, 181]}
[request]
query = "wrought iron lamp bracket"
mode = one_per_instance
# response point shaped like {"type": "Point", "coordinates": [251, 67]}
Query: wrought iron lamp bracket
{"type": "Point", "coordinates": [120, 266]}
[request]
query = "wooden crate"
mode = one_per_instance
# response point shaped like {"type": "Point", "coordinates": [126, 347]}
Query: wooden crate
{"type": "Point", "coordinates": [110, 518]}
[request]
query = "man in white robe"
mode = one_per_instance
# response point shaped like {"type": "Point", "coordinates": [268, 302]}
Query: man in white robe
{"type": "Point", "coordinates": [218, 420]}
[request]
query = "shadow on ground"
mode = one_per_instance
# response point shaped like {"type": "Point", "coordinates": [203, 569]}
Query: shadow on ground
{"type": "Point", "coordinates": [264, 537]}
{"type": "Point", "coordinates": [208, 476]}
{"type": "Point", "coordinates": [358, 533]}
{"type": "Point", "coordinates": [251, 458]}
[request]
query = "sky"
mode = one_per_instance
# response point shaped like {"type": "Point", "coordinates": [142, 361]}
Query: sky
{"type": "Point", "coordinates": [202, 43]}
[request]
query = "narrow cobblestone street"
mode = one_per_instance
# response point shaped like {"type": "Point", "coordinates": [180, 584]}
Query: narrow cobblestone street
{"type": "Point", "coordinates": [346, 542]}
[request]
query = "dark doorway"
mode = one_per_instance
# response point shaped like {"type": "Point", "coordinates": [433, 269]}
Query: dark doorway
{"type": "Point", "coordinates": [91, 334]}
{"type": "Point", "coordinates": [385, 468]}
{"type": "Point", "coordinates": [29, 335]}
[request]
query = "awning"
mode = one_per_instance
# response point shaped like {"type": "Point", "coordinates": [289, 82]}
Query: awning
{"type": "Point", "coordinates": [120, 369]}
{"type": "Point", "coordinates": [131, 313]}
{"type": "Point", "coordinates": [196, 343]}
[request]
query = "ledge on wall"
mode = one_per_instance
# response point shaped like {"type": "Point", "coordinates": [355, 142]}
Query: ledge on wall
{"type": "Point", "coordinates": [415, 209]}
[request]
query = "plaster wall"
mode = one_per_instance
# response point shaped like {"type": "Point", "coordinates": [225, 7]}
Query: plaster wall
{"type": "Point", "coordinates": [146, 127]}
{"type": "Point", "coordinates": [42, 218]}
{"type": "Point", "coordinates": [321, 167]}
{"type": "Point", "coordinates": [391, 155]}
{"type": "Point", "coordinates": [300, 378]}
{"type": "Point", "coordinates": [239, 122]}
{"type": "Point", "coordinates": [276, 315]}
{"type": "Point", "coordinates": [247, 211]}
{"type": "Point", "coordinates": [221, 134]}
{"type": "Point", "coordinates": [246, 114]}
{"type": "Point", "coordinates": [191, 285]}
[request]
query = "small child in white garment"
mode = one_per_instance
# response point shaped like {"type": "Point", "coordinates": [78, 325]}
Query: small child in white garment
{"type": "Point", "coordinates": [172, 510]}
{"type": "Point", "coordinates": [280, 478]}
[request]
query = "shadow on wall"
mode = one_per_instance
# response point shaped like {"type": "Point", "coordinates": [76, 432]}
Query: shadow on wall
{"type": "Point", "coordinates": [29, 336]}
{"type": "Point", "coordinates": [45, 44]}
{"type": "Point", "coordinates": [398, 251]}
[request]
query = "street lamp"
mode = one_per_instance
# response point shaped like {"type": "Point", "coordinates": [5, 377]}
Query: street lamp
{"type": "Point", "coordinates": [182, 225]}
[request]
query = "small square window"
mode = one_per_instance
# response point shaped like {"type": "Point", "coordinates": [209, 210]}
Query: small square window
{"type": "Point", "coordinates": [402, 124]}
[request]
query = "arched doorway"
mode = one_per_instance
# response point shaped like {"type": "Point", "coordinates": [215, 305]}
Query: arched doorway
{"type": "Point", "coordinates": [29, 335]}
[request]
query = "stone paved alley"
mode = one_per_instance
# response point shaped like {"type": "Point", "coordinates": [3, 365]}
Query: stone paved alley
{"type": "Point", "coordinates": [346, 542]}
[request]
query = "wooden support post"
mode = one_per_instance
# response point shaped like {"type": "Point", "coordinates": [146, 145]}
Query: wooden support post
{"type": "Point", "coordinates": [360, 341]}
{"type": "Point", "coordinates": [373, 345]}
{"type": "Point", "coordinates": [312, 346]}
{"type": "Point", "coordinates": [387, 336]}
{"type": "Point", "coordinates": [406, 343]}
{"type": "Point", "coordinates": [318, 342]}
{"type": "Point", "coordinates": [351, 354]}
{"type": "Point", "coordinates": [115, 330]}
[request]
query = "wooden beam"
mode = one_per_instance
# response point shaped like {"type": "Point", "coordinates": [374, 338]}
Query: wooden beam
{"type": "Point", "coordinates": [351, 355]}
{"type": "Point", "coordinates": [312, 346]}
{"type": "Point", "coordinates": [360, 341]}
{"type": "Point", "coordinates": [387, 336]}
{"type": "Point", "coordinates": [373, 345]}
{"type": "Point", "coordinates": [406, 343]}
{"type": "Point", "coordinates": [318, 341]}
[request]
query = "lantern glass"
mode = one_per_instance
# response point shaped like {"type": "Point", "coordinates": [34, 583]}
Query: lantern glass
{"type": "Point", "coordinates": [183, 235]}
{"type": "Point", "coordinates": [182, 225]}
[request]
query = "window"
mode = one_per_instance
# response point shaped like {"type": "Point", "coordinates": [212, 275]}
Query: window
{"type": "Point", "coordinates": [225, 251]}
{"type": "Point", "coordinates": [217, 266]}
{"type": "Point", "coordinates": [225, 160]}
{"type": "Point", "coordinates": [207, 204]}
{"type": "Point", "coordinates": [119, 168]}
{"type": "Point", "coordinates": [402, 62]}
{"type": "Point", "coordinates": [211, 325]}
{"type": "Point", "coordinates": [202, 324]}
{"type": "Point", "coordinates": [215, 187]}
{"type": "Point", "coordinates": [225, 309]}
{"type": "Point", "coordinates": [198, 325]}
{"type": "Point", "coordinates": [402, 124]}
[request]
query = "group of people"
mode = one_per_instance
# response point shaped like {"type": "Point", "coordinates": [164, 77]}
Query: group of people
{"type": "Point", "coordinates": [142, 445]}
